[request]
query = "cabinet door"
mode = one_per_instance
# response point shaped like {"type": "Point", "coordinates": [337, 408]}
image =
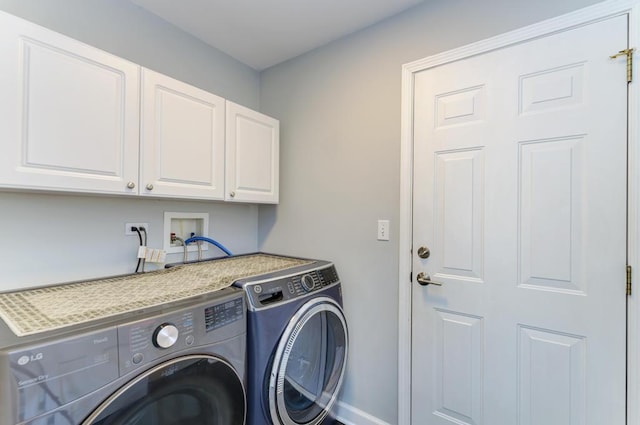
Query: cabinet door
{"type": "Point", "coordinates": [70, 113]}
{"type": "Point", "coordinates": [182, 140]}
{"type": "Point", "coordinates": [252, 154]}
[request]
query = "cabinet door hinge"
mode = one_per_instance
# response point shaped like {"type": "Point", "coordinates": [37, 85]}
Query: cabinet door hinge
{"type": "Point", "coordinates": [629, 55]}
{"type": "Point", "coordinates": [628, 280]}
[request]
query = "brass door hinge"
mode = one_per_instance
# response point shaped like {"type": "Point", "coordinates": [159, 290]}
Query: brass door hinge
{"type": "Point", "coordinates": [629, 54]}
{"type": "Point", "coordinates": [628, 280]}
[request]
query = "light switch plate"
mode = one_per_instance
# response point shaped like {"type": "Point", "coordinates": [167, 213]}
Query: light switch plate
{"type": "Point", "coordinates": [383, 230]}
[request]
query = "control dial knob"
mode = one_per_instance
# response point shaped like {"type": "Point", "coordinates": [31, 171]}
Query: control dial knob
{"type": "Point", "coordinates": [307, 282]}
{"type": "Point", "coordinates": [165, 335]}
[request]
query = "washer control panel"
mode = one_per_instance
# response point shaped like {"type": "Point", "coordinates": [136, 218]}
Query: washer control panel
{"type": "Point", "coordinates": [147, 340]}
{"type": "Point", "coordinates": [268, 292]}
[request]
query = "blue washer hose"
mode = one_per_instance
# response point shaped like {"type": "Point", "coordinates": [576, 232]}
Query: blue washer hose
{"type": "Point", "coordinates": [211, 241]}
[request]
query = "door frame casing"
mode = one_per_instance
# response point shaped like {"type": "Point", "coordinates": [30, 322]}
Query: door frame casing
{"type": "Point", "coordinates": [577, 18]}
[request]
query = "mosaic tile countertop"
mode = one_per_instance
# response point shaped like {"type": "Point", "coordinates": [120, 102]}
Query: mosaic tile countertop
{"type": "Point", "coordinates": [42, 309]}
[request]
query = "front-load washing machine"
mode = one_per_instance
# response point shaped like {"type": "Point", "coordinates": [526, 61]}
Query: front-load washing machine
{"type": "Point", "coordinates": [180, 363]}
{"type": "Point", "coordinates": [297, 344]}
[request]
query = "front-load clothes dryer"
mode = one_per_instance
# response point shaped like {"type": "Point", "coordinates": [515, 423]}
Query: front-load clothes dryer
{"type": "Point", "coordinates": [180, 363]}
{"type": "Point", "coordinates": [297, 344]}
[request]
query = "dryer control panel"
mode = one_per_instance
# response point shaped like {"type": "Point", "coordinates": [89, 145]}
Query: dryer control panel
{"type": "Point", "coordinates": [273, 291]}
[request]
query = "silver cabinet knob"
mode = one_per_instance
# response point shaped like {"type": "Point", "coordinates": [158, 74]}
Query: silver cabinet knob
{"type": "Point", "coordinates": [131, 185]}
{"type": "Point", "coordinates": [232, 194]}
{"type": "Point", "coordinates": [424, 280]}
{"type": "Point", "coordinates": [149, 186]}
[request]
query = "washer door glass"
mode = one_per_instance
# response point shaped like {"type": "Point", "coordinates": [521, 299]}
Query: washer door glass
{"type": "Point", "coordinates": [190, 390]}
{"type": "Point", "coordinates": [309, 364]}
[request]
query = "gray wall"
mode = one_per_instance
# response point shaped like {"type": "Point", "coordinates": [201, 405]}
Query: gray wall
{"type": "Point", "coordinates": [128, 31]}
{"type": "Point", "coordinates": [51, 238]}
{"type": "Point", "coordinates": [339, 108]}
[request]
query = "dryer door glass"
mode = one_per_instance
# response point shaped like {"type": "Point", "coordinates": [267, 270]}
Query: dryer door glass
{"type": "Point", "coordinates": [191, 390]}
{"type": "Point", "coordinates": [309, 364]}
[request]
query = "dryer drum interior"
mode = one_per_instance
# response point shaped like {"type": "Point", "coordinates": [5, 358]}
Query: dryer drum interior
{"type": "Point", "coordinates": [189, 390]}
{"type": "Point", "coordinates": [308, 364]}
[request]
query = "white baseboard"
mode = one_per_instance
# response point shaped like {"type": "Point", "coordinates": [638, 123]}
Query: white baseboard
{"type": "Point", "coordinates": [349, 415]}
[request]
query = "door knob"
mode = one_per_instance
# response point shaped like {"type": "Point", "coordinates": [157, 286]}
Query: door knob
{"type": "Point", "coordinates": [423, 252]}
{"type": "Point", "coordinates": [424, 280]}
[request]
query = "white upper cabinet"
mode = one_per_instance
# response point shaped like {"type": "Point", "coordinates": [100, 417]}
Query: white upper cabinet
{"type": "Point", "coordinates": [182, 140]}
{"type": "Point", "coordinates": [78, 119]}
{"type": "Point", "coordinates": [252, 156]}
{"type": "Point", "coordinates": [70, 113]}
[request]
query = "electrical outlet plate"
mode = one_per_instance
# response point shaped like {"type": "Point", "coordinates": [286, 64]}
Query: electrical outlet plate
{"type": "Point", "coordinates": [128, 226]}
{"type": "Point", "coordinates": [183, 225]}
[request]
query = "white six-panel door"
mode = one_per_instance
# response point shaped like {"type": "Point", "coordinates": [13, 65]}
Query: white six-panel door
{"type": "Point", "coordinates": [520, 195]}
